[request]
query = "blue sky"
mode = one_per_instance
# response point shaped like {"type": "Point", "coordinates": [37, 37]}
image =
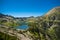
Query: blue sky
{"type": "Point", "coordinates": [26, 8]}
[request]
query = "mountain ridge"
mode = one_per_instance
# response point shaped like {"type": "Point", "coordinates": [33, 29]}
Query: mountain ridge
{"type": "Point", "coordinates": [56, 9]}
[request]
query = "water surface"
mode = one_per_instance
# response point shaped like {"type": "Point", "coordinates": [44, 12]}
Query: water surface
{"type": "Point", "coordinates": [23, 27]}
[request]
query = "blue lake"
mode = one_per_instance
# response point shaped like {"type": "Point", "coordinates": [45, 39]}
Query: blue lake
{"type": "Point", "coordinates": [23, 27]}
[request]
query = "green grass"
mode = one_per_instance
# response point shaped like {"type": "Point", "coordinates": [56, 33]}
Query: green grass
{"type": "Point", "coordinates": [4, 36]}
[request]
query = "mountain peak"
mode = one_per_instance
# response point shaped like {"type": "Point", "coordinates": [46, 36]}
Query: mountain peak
{"type": "Point", "coordinates": [54, 10]}
{"type": "Point", "coordinates": [57, 7]}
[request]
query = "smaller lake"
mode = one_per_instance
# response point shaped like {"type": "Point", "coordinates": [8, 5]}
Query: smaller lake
{"type": "Point", "coordinates": [23, 27]}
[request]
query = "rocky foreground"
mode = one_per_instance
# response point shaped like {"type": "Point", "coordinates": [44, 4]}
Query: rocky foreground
{"type": "Point", "coordinates": [12, 32]}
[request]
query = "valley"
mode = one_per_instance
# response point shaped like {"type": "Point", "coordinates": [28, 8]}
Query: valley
{"type": "Point", "coordinates": [46, 27]}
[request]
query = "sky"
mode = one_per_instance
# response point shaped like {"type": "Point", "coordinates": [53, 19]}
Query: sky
{"type": "Point", "coordinates": [26, 8]}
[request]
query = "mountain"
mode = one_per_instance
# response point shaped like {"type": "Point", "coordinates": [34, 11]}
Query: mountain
{"type": "Point", "coordinates": [53, 14]}
{"type": "Point", "coordinates": [8, 20]}
{"type": "Point", "coordinates": [54, 10]}
{"type": "Point", "coordinates": [47, 27]}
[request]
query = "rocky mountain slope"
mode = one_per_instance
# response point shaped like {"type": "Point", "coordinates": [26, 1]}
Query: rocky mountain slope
{"type": "Point", "coordinates": [47, 27]}
{"type": "Point", "coordinates": [53, 14]}
{"type": "Point", "coordinates": [54, 10]}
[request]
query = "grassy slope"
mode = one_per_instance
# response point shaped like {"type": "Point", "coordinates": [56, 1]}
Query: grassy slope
{"type": "Point", "coordinates": [4, 36]}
